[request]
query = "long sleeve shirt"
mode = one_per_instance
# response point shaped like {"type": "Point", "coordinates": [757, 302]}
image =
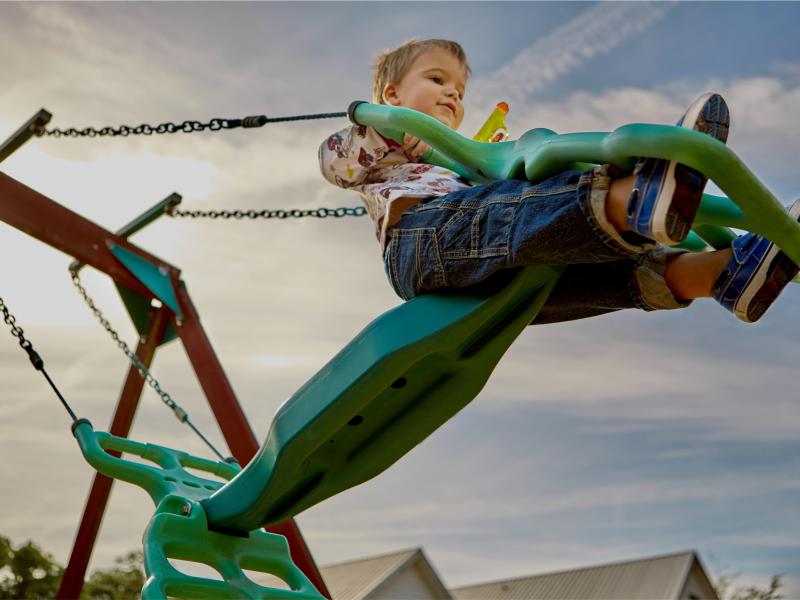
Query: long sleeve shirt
{"type": "Point", "coordinates": [359, 158]}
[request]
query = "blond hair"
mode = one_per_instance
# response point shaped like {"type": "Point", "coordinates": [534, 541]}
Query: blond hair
{"type": "Point", "coordinates": [391, 65]}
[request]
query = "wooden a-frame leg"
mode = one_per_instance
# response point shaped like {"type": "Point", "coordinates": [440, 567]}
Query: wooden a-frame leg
{"type": "Point", "coordinates": [74, 574]}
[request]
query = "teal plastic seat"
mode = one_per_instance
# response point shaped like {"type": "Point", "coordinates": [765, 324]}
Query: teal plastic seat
{"type": "Point", "coordinates": [394, 384]}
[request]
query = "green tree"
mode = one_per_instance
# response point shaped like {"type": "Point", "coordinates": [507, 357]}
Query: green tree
{"type": "Point", "coordinates": [27, 571]}
{"type": "Point", "coordinates": [123, 581]}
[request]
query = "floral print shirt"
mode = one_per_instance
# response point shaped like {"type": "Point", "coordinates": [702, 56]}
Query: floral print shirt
{"type": "Point", "coordinates": [359, 158]}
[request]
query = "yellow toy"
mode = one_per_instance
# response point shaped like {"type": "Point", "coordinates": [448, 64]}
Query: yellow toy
{"type": "Point", "coordinates": [494, 129]}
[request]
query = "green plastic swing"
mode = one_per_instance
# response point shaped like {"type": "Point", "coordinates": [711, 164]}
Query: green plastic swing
{"type": "Point", "coordinates": [408, 371]}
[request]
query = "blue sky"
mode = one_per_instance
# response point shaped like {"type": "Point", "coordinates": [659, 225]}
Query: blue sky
{"type": "Point", "coordinates": [618, 437]}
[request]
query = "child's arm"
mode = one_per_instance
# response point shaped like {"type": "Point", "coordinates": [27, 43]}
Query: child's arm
{"type": "Point", "coordinates": [347, 157]}
{"type": "Point", "coordinates": [414, 148]}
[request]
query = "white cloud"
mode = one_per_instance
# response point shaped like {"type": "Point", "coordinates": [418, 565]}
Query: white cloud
{"type": "Point", "coordinates": [626, 383]}
{"type": "Point", "coordinates": [592, 33]}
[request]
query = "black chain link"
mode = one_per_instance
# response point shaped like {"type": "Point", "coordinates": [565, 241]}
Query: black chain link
{"type": "Point", "coordinates": [319, 213]}
{"type": "Point", "coordinates": [19, 333]}
{"type": "Point", "coordinates": [11, 321]}
{"type": "Point", "coordinates": [34, 357]}
{"type": "Point", "coordinates": [185, 127]}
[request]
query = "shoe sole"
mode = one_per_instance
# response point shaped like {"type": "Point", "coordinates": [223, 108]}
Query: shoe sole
{"type": "Point", "coordinates": [766, 283]}
{"type": "Point", "coordinates": [710, 115]}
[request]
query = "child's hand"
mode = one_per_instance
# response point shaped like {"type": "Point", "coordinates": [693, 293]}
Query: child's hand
{"type": "Point", "coordinates": [414, 147]}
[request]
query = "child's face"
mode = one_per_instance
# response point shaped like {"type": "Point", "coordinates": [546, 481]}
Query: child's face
{"type": "Point", "coordinates": [434, 85]}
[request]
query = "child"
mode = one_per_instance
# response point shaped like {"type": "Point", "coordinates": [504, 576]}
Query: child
{"type": "Point", "coordinates": [437, 231]}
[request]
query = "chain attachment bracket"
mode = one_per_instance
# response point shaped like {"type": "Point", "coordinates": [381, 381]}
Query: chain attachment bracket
{"type": "Point", "coordinates": [34, 127]}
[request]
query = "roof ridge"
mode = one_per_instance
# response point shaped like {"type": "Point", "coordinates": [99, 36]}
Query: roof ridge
{"type": "Point", "coordinates": [374, 557]}
{"type": "Point", "coordinates": [687, 553]}
{"type": "Point", "coordinates": [411, 556]}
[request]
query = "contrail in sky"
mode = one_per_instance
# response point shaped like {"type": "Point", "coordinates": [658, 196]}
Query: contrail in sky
{"type": "Point", "coordinates": [594, 32]}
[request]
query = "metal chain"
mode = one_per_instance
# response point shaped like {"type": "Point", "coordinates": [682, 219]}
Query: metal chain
{"type": "Point", "coordinates": [179, 412]}
{"type": "Point", "coordinates": [143, 370]}
{"type": "Point", "coordinates": [34, 357]}
{"type": "Point", "coordinates": [319, 213]}
{"type": "Point", "coordinates": [185, 127]}
{"type": "Point", "coordinates": [16, 331]}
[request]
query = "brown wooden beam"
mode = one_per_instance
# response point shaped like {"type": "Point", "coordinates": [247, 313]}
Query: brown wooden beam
{"type": "Point", "coordinates": [57, 226]}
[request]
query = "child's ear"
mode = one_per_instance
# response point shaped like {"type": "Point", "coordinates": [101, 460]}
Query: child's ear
{"type": "Point", "coordinates": [390, 95]}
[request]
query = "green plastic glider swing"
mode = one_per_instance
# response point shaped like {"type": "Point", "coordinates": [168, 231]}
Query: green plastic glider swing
{"type": "Point", "coordinates": [404, 375]}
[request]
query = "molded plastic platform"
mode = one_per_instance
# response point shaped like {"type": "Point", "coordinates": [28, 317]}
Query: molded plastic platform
{"type": "Point", "coordinates": [400, 379]}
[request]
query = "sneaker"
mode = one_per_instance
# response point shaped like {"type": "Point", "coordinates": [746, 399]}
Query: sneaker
{"type": "Point", "coordinates": [755, 275]}
{"type": "Point", "coordinates": [666, 194]}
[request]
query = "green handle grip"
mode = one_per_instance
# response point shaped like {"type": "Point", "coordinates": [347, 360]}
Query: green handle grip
{"type": "Point", "coordinates": [540, 153]}
{"type": "Point", "coordinates": [167, 475]}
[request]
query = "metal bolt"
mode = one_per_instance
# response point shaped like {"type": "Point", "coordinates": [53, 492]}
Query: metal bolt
{"type": "Point", "coordinates": [186, 509]}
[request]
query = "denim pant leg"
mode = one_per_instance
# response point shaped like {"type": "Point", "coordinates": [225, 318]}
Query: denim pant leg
{"type": "Point", "coordinates": [598, 279]}
{"type": "Point", "coordinates": [462, 239]}
{"type": "Point", "coordinates": [593, 289]}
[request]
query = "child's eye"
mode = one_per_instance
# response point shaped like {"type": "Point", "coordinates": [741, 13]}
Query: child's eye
{"type": "Point", "coordinates": [438, 80]}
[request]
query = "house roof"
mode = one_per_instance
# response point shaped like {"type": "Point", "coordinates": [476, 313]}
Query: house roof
{"type": "Point", "coordinates": [355, 579]}
{"type": "Point", "coordinates": [655, 578]}
{"type": "Point", "coordinates": [659, 577]}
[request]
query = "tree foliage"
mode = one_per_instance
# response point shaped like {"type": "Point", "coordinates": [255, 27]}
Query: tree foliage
{"type": "Point", "coordinates": [125, 580]}
{"type": "Point", "coordinates": [726, 590]}
{"type": "Point", "coordinates": [29, 572]}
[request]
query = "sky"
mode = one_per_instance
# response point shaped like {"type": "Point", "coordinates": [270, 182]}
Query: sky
{"type": "Point", "coordinates": [627, 435]}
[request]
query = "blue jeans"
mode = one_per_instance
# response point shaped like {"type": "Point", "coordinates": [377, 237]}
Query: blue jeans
{"type": "Point", "coordinates": [464, 238]}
